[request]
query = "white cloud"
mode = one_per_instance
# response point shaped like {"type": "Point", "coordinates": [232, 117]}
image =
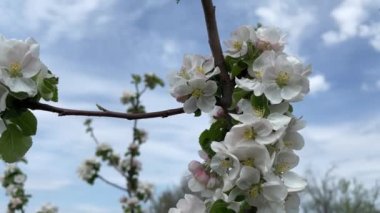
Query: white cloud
{"type": "Point", "coordinates": [291, 16]}
{"type": "Point", "coordinates": [56, 18]}
{"type": "Point", "coordinates": [351, 146]}
{"type": "Point", "coordinates": [318, 83]}
{"type": "Point", "coordinates": [353, 18]}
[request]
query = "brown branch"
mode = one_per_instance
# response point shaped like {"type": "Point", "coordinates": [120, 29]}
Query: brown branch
{"type": "Point", "coordinates": [111, 183]}
{"type": "Point", "coordinates": [64, 112]}
{"type": "Point", "coordinates": [216, 49]}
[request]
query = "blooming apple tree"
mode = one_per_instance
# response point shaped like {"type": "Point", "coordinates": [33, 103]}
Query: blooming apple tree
{"type": "Point", "coordinates": [250, 148]}
{"type": "Point", "coordinates": [127, 165]}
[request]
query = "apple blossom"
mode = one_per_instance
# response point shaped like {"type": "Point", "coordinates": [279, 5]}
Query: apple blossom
{"type": "Point", "coordinates": [189, 204]}
{"type": "Point", "coordinates": [199, 94]}
{"type": "Point", "coordinates": [19, 62]}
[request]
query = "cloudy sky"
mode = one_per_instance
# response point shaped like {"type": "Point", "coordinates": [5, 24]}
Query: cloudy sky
{"type": "Point", "coordinates": [95, 45]}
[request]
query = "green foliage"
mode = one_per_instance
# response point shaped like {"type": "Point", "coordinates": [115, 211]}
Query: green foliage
{"type": "Point", "coordinates": [220, 206]}
{"type": "Point", "coordinates": [14, 144]}
{"type": "Point", "coordinates": [25, 120]}
{"type": "Point", "coordinates": [216, 132]}
{"type": "Point", "coordinates": [48, 89]}
{"type": "Point", "coordinates": [237, 95]}
{"type": "Point", "coordinates": [260, 104]}
{"type": "Point", "coordinates": [151, 81]}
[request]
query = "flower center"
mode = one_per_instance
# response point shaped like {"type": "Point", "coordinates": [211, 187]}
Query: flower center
{"type": "Point", "coordinates": [282, 79]}
{"type": "Point", "coordinates": [197, 93]}
{"type": "Point", "coordinates": [259, 112]}
{"type": "Point", "coordinates": [200, 70]}
{"type": "Point", "coordinates": [282, 167]}
{"type": "Point", "coordinates": [226, 163]}
{"type": "Point", "coordinates": [258, 75]}
{"type": "Point", "coordinates": [249, 162]}
{"type": "Point", "coordinates": [184, 74]}
{"type": "Point", "coordinates": [15, 70]}
{"type": "Point", "coordinates": [249, 134]}
{"type": "Point", "coordinates": [255, 191]}
{"type": "Point", "coordinates": [237, 45]}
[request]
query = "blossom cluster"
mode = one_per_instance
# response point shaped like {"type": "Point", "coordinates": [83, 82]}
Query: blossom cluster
{"type": "Point", "coordinates": [13, 181]}
{"type": "Point", "coordinates": [23, 76]}
{"type": "Point", "coordinates": [247, 160]}
{"type": "Point", "coordinates": [193, 84]}
{"type": "Point", "coordinates": [48, 208]}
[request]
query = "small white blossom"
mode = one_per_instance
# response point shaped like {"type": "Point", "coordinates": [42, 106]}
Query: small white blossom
{"type": "Point", "coordinates": [269, 38]}
{"type": "Point", "coordinates": [19, 62]}
{"type": "Point", "coordinates": [238, 45]}
{"type": "Point", "coordinates": [48, 208]}
{"type": "Point", "coordinates": [198, 93]}
{"type": "Point", "coordinates": [189, 204]}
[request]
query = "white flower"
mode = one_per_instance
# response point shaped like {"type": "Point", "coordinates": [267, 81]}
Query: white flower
{"type": "Point", "coordinates": [264, 62]}
{"type": "Point", "coordinates": [294, 182]}
{"type": "Point", "coordinates": [269, 38]}
{"type": "Point", "coordinates": [281, 81]}
{"type": "Point", "coordinates": [19, 179]}
{"type": "Point", "coordinates": [292, 203]}
{"type": "Point", "coordinates": [88, 169]}
{"type": "Point", "coordinates": [127, 96]}
{"type": "Point", "coordinates": [258, 131]}
{"type": "Point", "coordinates": [189, 204]}
{"type": "Point", "coordinates": [224, 164]}
{"type": "Point", "coordinates": [48, 208]}
{"type": "Point", "coordinates": [285, 161]}
{"type": "Point", "coordinates": [19, 62]}
{"type": "Point", "coordinates": [200, 95]}
{"type": "Point", "coordinates": [238, 45]}
{"type": "Point", "coordinates": [103, 147]}
{"type": "Point", "coordinates": [253, 155]}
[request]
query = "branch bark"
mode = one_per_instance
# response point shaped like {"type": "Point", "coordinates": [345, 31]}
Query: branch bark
{"type": "Point", "coordinates": [216, 49]}
{"type": "Point", "coordinates": [65, 112]}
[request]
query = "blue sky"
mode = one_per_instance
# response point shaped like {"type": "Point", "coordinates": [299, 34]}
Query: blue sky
{"type": "Point", "coordinates": [95, 45]}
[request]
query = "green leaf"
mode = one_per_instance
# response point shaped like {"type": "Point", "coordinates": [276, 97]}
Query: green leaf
{"type": "Point", "coordinates": [220, 207]}
{"type": "Point", "coordinates": [27, 122]}
{"type": "Point", "coordinates": [48, 90]}
{"type": "Point", "coordinates": [217, 132]}
{"type": "Point", "coordinates": [260, 103]}
{"type": "Point", "coordinates": [235, 71]}
{"type": "Point", "coordinates": [197, 113]}
{"type": "Point", "coordinates": [237, 95]}
{"type": "Point", "coordinates": [13, 144]}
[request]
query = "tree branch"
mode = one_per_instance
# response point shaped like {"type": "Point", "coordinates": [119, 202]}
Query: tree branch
{"type": "Point", "coordinates": [65, 112]}
{"type": "Point", "coordinates": [216, 49]}
{"type": "Point", "coordinates": [111, 184]}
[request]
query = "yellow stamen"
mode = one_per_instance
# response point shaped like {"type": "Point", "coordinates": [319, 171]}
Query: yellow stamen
{"type": "Point", "coordinates": [258, 74]}
{"type": "Point", "coordinates": [237, 45]}
{"type": "Point", "coordinates": [249, 162]}
{"type": "Point", "coordinates": [184, 74]}
{"type": "Point", "coordinates": [197, 93]}
{"type": "Point", "coordinates": [282, 79]}
{"type": "Point", "coordinates": [282, 167]}
{"type": "Point", "coordinates": [15, 70]}
{"type": "Point", "coordinates": [255, 191]}
{"type": "Point", "coordinates": [226, 163]}
{"type": "Point", "coordinates": [249, 134]}
{"type": "Point", "coordinates": [200, 70]}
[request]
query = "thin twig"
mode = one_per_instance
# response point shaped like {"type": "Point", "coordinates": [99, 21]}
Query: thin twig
{"type": "Point", "coordinates": [216, 49]}
{"type": "Point", "coordinates": [65, 112]}
{"type": "Point", "coordinates": [111, 184]}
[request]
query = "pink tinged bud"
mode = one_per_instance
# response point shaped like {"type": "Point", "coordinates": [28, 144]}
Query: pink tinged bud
{"type": "Point", "coordinates": [194, 166]}
{"type": "Point", "coordinates": [202, 176]}
{"type": "Point", "coordinates": [219, 113]}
